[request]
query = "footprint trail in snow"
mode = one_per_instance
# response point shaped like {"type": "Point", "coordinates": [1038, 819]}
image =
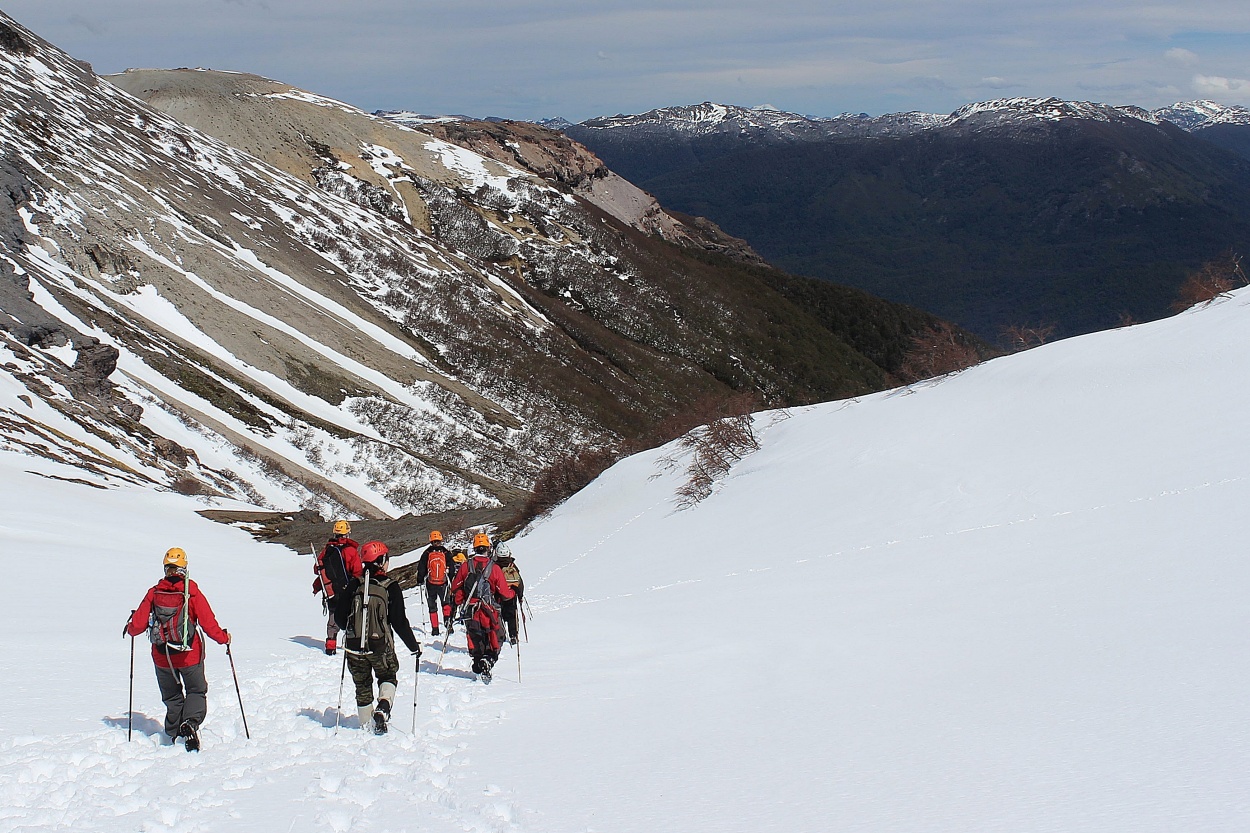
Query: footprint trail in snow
{"type": "Point", "coordinates": [296, 766]}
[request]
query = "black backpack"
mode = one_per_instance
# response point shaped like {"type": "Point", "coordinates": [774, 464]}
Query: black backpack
{"type": "Point", "coordinates": [335, 567]}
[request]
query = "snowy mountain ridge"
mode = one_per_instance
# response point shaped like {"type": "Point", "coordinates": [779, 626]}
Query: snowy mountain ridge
{"type": "Point", "coordinates": [1195, 115]}
{"type": "Point", "coordinates": [708, 118]}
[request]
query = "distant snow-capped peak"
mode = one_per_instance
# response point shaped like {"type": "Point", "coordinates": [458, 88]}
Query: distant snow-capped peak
{"type": "Point", "coordinates": [1044, 109]}
{"type": "Point", "coordinates": [707, 117]}
{"type": "Point", "coordinates": [1196, 115]}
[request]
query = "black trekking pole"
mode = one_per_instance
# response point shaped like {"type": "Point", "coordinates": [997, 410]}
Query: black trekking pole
{"type": "Point", "coordinates": [416, 675]}
{"type": "Point", "coordinates": [524, 630]}
{"type": "Point", "coordinates": [518, 661]}
{"type": "Point", "coordinates": [230, 656]}
{"type": "Point", "coordinates": [130, 703]}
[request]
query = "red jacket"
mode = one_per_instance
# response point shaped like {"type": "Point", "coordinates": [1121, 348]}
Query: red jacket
{"type": "Point", "coordinates": [200, 613]}
{"type": "Point", "coordinates": [494, 577]}
{"type": "Point", "coordinates": [351, 559]}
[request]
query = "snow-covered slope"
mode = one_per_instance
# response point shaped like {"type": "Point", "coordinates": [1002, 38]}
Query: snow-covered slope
{"type": "Point", "coordinates": [1007, 600]}
{"type": "Point", "coordinates": [304, 305]}
{"type": "Point", "coordinates": [1010, 599]}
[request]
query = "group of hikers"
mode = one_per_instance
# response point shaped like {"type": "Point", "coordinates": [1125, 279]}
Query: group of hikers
{"type": "Point", "coordinates": [482, 590]}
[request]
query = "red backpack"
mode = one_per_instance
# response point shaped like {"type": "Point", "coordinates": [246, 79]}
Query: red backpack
{"type": "Point", "coordinates": [171, 626]}
{"type": "Point", "coordinates": [436, 567]}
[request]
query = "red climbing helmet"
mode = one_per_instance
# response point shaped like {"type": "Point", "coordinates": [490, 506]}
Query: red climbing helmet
{"type": "Point", "coordinates": [374, 551]}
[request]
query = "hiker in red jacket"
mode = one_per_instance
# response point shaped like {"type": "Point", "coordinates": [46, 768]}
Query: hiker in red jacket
{"type": "Point", "coordinates": [337, 564]}
{"type": "Point", "coordinates": [475, 589]}
{"type": "Point", "coordinates": [434, 571]}
{"type": "Point", "coordinates": [172, 613]}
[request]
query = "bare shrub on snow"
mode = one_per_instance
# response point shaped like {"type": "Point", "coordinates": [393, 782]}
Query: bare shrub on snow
{"type": "Point", "coordinates": [1213, 279]}
{"type": "Point", "coordinates": [937, 351]}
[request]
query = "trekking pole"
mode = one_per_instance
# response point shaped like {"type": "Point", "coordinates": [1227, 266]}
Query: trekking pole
{"type": "Point", "coordinates": [518, 662]}
{"type": "Point", "coordinates": [338, 710]}
{"type": "Point", "coordinates": [443, 653]}
{"type": "Point", "coordinates": [524, 630]}
{"type": "Point", "coordinates": [247, 733]}
{"type": "Point", "coordinates": [425, 602]}
{"type": "Point", "coordinates": [130, 703]}
{"type": "Point", "coordinates": [416, 676]}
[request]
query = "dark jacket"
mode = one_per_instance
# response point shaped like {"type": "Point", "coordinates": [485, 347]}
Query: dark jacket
{"type": "Point", "coordinates": [395, 613]}
{"type": "Point", "coordinates": [423, 566]}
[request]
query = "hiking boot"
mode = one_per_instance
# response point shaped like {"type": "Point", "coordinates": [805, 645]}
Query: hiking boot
{"type": "Point", "coordinates": [381, 716]}
{"type": "Point", "coordinates": [485, 672]}
{"type": "Point", "coordinates": [512, 640]}
{"type": "Point", "coordinates": [188, 731]}
{"type": "Point", "coordinates": [434, 631]}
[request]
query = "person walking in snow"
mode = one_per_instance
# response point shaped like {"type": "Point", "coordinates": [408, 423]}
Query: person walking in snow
{"type": "Point", "coordinates": [173, 612]}
{"type": "Point", "coordinates": [475, 589]}
{"type": "Point", "coordinates": [434, 571]}
{"type": "Point", "coordinates": [337, 563]}
{"type": "Point", "coordinates": [370, 610]}
{"type": "Point", "coordinates": [459, 555]}
{"type": "Point", "coordinates": [508, 608]}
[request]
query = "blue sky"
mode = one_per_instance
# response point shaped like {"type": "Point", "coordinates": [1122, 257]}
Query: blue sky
{"type": "Point", "coordinates": [584, 58]}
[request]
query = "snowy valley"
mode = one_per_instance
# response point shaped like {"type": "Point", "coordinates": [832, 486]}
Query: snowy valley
{"type": "Point", "coordinates": [1008, 599]}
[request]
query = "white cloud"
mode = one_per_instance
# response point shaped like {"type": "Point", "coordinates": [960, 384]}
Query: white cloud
{"type": "Point", "coordinates": [1181, 56]}
{"type": "Point", "coordinates": [1220, 84]}
{"type": "Point", "coordinates": [1221, 89]}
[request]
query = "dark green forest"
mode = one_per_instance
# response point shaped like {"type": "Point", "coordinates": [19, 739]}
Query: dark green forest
{"type": "Point", "coordinates": [1077, 224]}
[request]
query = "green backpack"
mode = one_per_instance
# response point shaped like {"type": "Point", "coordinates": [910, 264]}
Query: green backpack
{"type": "Point", "coordinates": [370, 615]}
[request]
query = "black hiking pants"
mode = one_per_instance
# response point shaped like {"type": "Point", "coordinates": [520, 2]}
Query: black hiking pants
{"type": "Point", "coordinates": [185, 694]}
{"type": "Point", "coordinates": [437, 595]}
{"type": "Point", "coordinates": [508, 610]}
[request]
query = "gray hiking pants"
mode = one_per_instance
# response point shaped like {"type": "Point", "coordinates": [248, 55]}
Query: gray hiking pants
{"type": "Point", "coordinates": [185, 693]}
{"type": "Point", "coordinates": [385, 665]}
{"type": "Point", "coordinates": [332, 627]}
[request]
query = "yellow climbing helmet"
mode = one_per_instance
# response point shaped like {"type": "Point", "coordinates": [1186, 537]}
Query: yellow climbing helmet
{"type": "Point", "coordinates": [436, 536]}
{"type": "Point", "coordinates": [176, 557]}
{"type": "Point", "coordinates": [342, 528]}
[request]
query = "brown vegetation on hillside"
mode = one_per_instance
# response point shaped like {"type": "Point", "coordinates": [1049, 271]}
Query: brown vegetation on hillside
{"type": "Point", "coordinates": [1214, 278]}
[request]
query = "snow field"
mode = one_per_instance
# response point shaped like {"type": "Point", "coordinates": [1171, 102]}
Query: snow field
{"type": "Point", "coordinates": [1008, 600]}
{"type": "Point", "coordinates": [64, 760]}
